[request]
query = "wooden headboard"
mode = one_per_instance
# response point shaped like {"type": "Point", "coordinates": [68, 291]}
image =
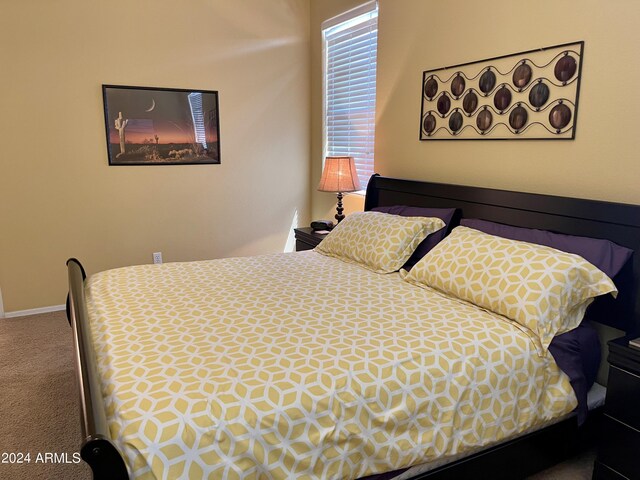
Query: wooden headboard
{"type": "Point", "coordinates": [617, 222]}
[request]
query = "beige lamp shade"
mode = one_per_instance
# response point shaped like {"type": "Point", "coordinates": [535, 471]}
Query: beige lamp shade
{"type": "Point", "coordinates": [339, 175]}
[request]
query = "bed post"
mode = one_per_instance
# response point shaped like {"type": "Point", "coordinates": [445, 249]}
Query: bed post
{"type": "Point", "coordinates": [371, 198]}
{"type": "Point", "coordinates": [97, 449]}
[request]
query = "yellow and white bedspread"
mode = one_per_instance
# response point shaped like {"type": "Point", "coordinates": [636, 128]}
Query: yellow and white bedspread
{"type": "Point", "coordinates": [298, 365]}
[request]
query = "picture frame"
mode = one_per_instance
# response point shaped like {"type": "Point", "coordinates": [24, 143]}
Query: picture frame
{"type": "Point", "coordinates": [161, 126]}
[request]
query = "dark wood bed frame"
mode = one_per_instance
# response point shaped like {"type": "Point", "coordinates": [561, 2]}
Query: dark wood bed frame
{"type": "Point", "coordinates": [514, 459]}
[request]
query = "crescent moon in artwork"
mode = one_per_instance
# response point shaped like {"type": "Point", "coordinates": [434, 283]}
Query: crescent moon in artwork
{"type": "Point", "coordinates": [153, 105]}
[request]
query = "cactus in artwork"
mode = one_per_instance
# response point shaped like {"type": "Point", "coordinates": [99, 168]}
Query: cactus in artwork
{"type": "Point", "coordinates": [121, 124]}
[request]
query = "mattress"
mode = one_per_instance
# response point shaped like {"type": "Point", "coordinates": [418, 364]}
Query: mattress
{"type": "Point", "coordinates": [300, 365]}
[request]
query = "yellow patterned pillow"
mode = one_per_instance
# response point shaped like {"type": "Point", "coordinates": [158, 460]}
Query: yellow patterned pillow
{"type": "Point", "coordinates": [541, 288]}
{"type": "Point", "coordinates": [380, 242]}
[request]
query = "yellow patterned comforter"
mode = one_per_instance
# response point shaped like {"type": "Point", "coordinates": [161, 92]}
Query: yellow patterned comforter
{"type": "Point", "coordinates": [298, 365]}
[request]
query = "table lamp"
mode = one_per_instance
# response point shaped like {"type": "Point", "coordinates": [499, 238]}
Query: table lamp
{"type": "Point", "coordinates": [339, 175]}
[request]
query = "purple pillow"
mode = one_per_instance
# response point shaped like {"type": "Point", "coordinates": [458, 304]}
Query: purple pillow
{"type": "Point", "coordinates": [577, 353]}
{"type": "Point", "coordinates": [445, 214]}
{"type": "Point", "coordinates": [604, 254]}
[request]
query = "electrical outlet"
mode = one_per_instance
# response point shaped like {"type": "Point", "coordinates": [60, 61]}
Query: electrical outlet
{"type": "Point", "coordinates": [157, 257]}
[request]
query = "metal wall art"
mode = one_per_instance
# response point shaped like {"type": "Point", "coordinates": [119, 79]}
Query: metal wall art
{"type": "Point", "coordinates": [530, 95]}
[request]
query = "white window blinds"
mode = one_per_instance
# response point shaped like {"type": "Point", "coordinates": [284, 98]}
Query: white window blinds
{"type": "Point", "coordinates": [350, 53]}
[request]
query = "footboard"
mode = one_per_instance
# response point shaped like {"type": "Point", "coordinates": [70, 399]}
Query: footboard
{"type": "Point", "coordinates": [97, 449]}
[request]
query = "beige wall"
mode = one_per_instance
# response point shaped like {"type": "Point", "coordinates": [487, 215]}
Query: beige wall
{"type": "Point", "coordinates": [418, 35]}
{"type": "Point", "coordinates": [58, 196]}
{"type": "Point", "coordinates": [601, 163]}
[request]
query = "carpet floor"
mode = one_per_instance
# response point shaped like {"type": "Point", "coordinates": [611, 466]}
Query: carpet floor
{"type": "Point", "coordinates": [39, 405]}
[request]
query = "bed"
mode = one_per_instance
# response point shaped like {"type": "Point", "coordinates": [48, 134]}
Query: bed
{"type": "Point", "coordinates": [313, 321]}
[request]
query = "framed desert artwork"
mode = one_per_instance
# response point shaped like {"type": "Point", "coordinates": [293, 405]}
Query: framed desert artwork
{"type": "Point", "coordinates": [161, 126]}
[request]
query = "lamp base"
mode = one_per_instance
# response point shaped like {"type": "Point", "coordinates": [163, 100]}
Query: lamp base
{"type": "Point", "coordinates": [339, 209]}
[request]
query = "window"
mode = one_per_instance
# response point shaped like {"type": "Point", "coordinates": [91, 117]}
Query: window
{"type": "Point", "coordinates": [350, 53]}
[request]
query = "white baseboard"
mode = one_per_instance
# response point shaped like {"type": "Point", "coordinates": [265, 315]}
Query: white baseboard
{"type": "Point", "coordinates": [34, 311]}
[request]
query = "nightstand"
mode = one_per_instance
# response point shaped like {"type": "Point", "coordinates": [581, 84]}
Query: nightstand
{"type": "Point", "coordinates": [619, 443]}
{"type": "Point", "coordinates": [306, 238]}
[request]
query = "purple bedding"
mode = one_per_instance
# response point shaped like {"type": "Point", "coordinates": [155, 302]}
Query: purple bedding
{"type": "Point", "coordinates": [445, 214]}
{"type": "Point", "coordinates": [577, 353]}
{"type": "Point", "coordinates": [604, 254]}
